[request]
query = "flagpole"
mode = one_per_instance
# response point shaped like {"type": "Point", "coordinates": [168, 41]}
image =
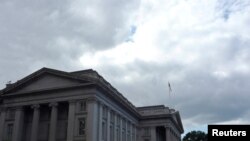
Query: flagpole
{"type": "Point", "coordinates": [169, 91]}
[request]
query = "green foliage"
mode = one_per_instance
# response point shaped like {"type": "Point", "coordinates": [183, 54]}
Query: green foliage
{"type": "Point", "coordinates": [195, 136]}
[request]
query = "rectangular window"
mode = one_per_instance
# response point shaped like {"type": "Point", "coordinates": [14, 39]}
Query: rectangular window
{"type": "Point", "coordinates": [123, 123]}
{"type": "Point", "coordinates": [82, 126]}
{"type": "Point", "coordinates": [128, 137]}
{"type": "Point", "coordinates": [123, 135]}
{"type": "Point", "coordinates": [118, 120]}
{"type": "Point", "coordinates": [104, 131]}
{"type": "Point", "coordinates": [128, 126]}
{"type": "Point", "coordinates": [9, 131]}
{"type": "Point", "coordinates": [10, 114]}
{"type": "Point", "coordinates": [112, 117]}
{"type": "Point", "coordinates": [82, 106]}
{"type": "Point", "coordinates": [111, 133]}
{"type": "Point", "coordinates": [146, 131]}
{"type": "Point", "coordinates": [104, 112]}
{"type": "Point", "coordinates": [117, 134]}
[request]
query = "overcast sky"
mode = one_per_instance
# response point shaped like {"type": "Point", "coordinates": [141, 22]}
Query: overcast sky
{"type": "Point", "coordinates": [202, 47]}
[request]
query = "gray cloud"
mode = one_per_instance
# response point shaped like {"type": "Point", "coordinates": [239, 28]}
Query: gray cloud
{"type": "Point", "coordinates": [55, 34]}
{"type": "Point", "coordinates": [202, 49]}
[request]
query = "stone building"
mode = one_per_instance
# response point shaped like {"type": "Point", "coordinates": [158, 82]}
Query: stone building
{"type": "Point", "coordinates": [53, 105]}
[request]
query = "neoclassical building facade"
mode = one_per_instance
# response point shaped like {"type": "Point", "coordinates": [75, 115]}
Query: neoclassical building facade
{"type": "Point", "coordinates": [53, 105]}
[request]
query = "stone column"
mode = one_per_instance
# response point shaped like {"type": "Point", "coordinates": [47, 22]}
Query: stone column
{"type": "Point", "coordinates": [71, 120]}
{"type": "Point", "coordinates": [108, 125]}
{"type": "Point", "coordinates": [92, 120]}
{"type": "Point", "coordinates": [18, 124]}
{"type": "Point", "coordinates": [153, 133]}
{"type": "Point", "coordinates": [53, 122]}
{"type": "Point", "coordinates": [35, 122]}
{"type": "Point", "coordinates": [2, 120]}
{"type": "Point", "coordinates": [131, 132]}
{"type": "Point", "coordinates": [126, 130]}
{"type": "Point", "coordinates": [121, 127]}
{"type": "Point", "coordinates": [135, 128]}
{"type": "Point", "coordinates": [100, 122]}
{"type": "Point", "coordinates": [115, 127]}
{"type": "Point", "coordinates": [167, 133]}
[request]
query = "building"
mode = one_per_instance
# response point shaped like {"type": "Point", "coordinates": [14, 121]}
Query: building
{"type": "Point", "coordinates": [53, 105]}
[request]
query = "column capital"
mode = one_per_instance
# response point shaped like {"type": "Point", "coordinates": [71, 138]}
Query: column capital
{"type": "Point", "coordinates": [53, 104]}
{"type": "Point", "coordinates": [35, 106]}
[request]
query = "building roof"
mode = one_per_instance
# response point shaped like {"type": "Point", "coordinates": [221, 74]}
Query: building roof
{"type": "Point", "coordinates": [90, 76]}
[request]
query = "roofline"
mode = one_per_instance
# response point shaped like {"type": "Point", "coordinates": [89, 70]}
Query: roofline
{"type": "Point", "coordinates": [99, 81]}
{"type": "Point", "coordinates": [170, 116]}
{"type": "Point", "coordinates": [48, 90]}
{"type": "Point", "coordinates": [34, 74]}
{"type": "Point", "coordinates": [152, 106]}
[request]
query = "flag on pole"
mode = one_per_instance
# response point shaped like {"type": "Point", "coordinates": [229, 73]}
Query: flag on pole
{"type": "Point", "coordinates": [169, 87]}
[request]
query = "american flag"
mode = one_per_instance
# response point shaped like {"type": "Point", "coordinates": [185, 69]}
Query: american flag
{"type": "Point", "coordinates": [169, 87]}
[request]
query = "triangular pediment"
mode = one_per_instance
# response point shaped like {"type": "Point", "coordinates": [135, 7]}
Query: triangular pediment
{"type": "Point", "coordinates": [47, 81]}
{"type": "Point", "coordinates": [44, 80]}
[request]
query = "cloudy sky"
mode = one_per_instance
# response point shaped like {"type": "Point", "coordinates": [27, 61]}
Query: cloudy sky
{"type": "Point", "coordinates": [202, 47]}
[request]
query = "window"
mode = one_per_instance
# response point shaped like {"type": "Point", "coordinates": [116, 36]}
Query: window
{"type": "Point", "coordinates": [128, 137]}
{"type": "Point", "coordinates": [118, 134]}
{"type": "Point", "coordinates": [133, 133]}
{"type": "Point", "coordinates": [11, 114]}
{"type": "Point", "coordinates": [9, 131]}
{"type": "Point", "coordinates": [111, 133]}
{"type": "Point", "coordinates": [123, 135]}
{"type": "Point", "coordinates": [112, 117]}
{"type": "Point", "coordinates": [123, 123]}
{"type": "Point", "coordinates": [118, 120]}
{"type": "Point", "coordinates": [146, 131]}
{"type": "Point", "coordinates": [82, 106]}
{"type": "Point", "coordinates": [104, 131]}
{"type": "Point", "coordinates": [82, 125]}
{"type": "Point", "coordinates": [104, 112]}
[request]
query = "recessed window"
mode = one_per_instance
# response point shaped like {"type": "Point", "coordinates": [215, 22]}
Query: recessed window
{"type": "Point", "coordinates": [111, 133]}
{"type": "Point", "coordinates": [104, 131]}
{"type": "Point", "coordinates": [11, 114]}
{"type": "Point", "coordinates": [147, 131]}
{"type": "Point", "coordinates": [82, 126]}
{"type": "Point", "coordinates": [118, 121]}
{"type": "Point", "coordinates": [104, 112]}
{"type": "Point", "coordinates": [82, 106]}
{"type": "Point", "coordinates": [112, 117]}
{"type": "Point", "coordinates": [118, 134]}
{"type": "Point", "coordinates": [9, 131]}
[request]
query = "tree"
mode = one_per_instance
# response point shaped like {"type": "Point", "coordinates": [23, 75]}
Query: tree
{"type": "Point", "coordinates": [195, 136]}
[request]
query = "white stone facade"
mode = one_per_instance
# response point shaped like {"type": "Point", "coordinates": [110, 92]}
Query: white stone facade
{"type": "Point", "coordinates": [52, 105]}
